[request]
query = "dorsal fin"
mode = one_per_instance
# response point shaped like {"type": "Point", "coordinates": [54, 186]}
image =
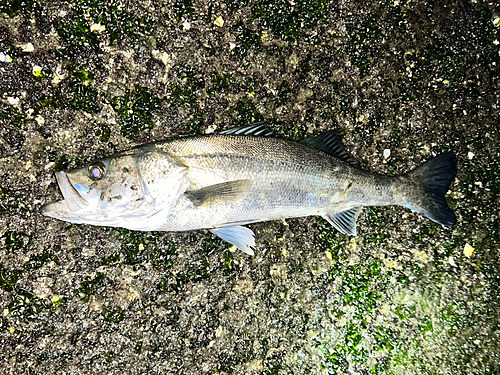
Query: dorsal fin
{"type": "Point", "coordinates": [258, 129]}
{"type": "Point", "coordinates": [331, 143]}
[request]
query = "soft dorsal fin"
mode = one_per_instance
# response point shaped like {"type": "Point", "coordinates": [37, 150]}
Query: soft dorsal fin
{"type": "Point", "coordinates": [345, 221]}
{"type": "Point", "coordinates": [331, 143]}
{"type": "Point", "coordinates": [258, 129]}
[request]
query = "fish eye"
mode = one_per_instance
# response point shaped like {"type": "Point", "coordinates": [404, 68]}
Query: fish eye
{"type": "Point", "coordinates": [97, 170]}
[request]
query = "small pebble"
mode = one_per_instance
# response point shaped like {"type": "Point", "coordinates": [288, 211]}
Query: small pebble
{"type": "Point", "coordinates": [468, 250]}
{"type": "Point", "coordinates": [219, 22]}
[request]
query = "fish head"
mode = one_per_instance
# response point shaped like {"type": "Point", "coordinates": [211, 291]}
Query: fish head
{"type": "Point", "coordinates": [107, 192]}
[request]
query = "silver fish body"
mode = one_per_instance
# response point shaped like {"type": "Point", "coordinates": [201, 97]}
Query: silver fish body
{"type": "Point", "coordinates": [223, 181]}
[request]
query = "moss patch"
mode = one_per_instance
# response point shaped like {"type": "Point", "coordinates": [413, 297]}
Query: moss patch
{"type": "Point", "coordinates": [136, 109]}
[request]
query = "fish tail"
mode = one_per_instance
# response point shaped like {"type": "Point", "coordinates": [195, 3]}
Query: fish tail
{"type": "Point", "coordinates": [435, 177]}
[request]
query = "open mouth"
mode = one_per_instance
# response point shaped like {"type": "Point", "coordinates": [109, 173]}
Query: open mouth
{"type": "Point", "coordinates": [73, 200]}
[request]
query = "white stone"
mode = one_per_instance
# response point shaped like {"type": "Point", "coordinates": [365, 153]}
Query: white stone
{"type": "Point", "coordinates": [13, 101]}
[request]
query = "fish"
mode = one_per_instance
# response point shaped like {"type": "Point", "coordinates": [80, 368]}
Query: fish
{"type": "Point", "coordinates": [226, 180]}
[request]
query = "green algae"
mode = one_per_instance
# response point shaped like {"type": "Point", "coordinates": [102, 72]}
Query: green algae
{"type": "Point", "coordinates": [376, 222]}
{"type": "Point", "coordinates": [77, 37]}
{"type": "Point", "coordinates": [136, 109]}
{"type": "Point", "coordinates": [76, 92]}
{"type": "Point", "coordinates": [109, 356]}
{"type": "Point", "coordinates": [139, 246]}
{"type": "Point", "coordinates": [245, 112]}
{"type": "Point", "coordinates": [189, 90]}
{"type": "Point", "coordinates": [138, 347]}
{"type": "Point", "coordinates": [9, 278]}
{"type": "Point", "coordinates": [248, 39]}
{"type": "Point", "coordinates": [288, 20]}
{"type": "Point", "coordinates": [89, 286]}
{"type": "Point", "coordinates": [195, 124]}
{"type": "Point", "coordinates": [25, 305]}
{"type": "Point", "coordinates": [84, 96]}
{"type": "Point", "coordinates": [59, 301]}
{"type": "Point", "coordinates": [176, 282]}
{"type": "Point", "coordinates": [486, 36]}
{"type": "Point", "coordinates": [113, 315]}
{"type": "Point", "coordinates": [62, 163]}
{"type": "Point", "coordinates": [21, 303]}
{"type": "Point", "coordinates": [111, 259]}
{"type": "Point", "coordinates": [120, 26]}
{"type": "Point", "coordinates": [15, 118]}
{"type": "Point", "coordinates": [360, 48]}
{"type": "Point", "coordinates": [163, 257]}
{"type": "Point", "coordinates": [183, 95]}
{"type": "Point", "coordinates": [11, 201]}
{"type": "Point", "coordinates": [184, 9]}
{"type": "Point", "coordinates": [359, 292]}
{"type": "Point", "coordinates": [37, 261]}
{"type": "Point", "coordinates": [12, 8]}
{"type": "Point", "coordinates": [284, 92]}
{"type": "Point", "coordinates": [228, 260]}
{"type": "Point", "coordinates": [103, 132]}
{"type": "Point", "coordinates": [15, 241]}
{"type": "Point", "coordinates": [221, 81]}
{"type": "Point", "coordinates": [363, 288]}
{"type": "Point", "coordinates": [3, 324]}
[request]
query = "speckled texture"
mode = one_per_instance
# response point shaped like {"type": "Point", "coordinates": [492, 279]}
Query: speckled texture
{"type": "Point", "coordinates": [91, 77]}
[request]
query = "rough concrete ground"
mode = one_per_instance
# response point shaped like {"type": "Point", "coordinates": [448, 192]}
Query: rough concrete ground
{"type": "Point", "coordinates": [82, 79]}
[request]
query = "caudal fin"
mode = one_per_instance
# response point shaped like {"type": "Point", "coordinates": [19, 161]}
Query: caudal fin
{"type": "Point", "coordinates": [435, 176]}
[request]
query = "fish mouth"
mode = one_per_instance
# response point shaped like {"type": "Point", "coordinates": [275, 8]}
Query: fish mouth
{"type": "Point", "coordinates": [72, 202]}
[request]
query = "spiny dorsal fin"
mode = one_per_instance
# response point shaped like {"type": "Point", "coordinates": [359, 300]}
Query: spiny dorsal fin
{"type": "Point", "coordinates": [241, 237]}
{"type": "Point", "coordinates": [258, 129]}
{"type": "Point", "coordinates": [331, 143]}
{"type": "Point", "coordinates": [345, 221]}
{"type": "Point", "coordinates": [223, 193]}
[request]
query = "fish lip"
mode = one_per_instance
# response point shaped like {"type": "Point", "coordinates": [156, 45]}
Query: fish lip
{"type": "Point", "coordinates": [56, 209]}
{"type": "Point", "coordinates": [72, 202]}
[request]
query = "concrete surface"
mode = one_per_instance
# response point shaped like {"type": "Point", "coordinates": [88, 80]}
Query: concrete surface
{"type": "Point", "coordinates": [402, 81]}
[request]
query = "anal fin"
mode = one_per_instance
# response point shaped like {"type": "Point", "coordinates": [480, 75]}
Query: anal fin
{"type": "Point", "coordinates": [345, 221]}
{"type": "Point", "coordinates": [241, 237]}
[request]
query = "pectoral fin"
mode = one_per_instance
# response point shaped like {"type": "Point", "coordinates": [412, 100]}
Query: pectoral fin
{"type": "Point", "coordinates": [223, 193]}
{"type": "Point", "coordinates": [345, 221]}
{"type": "Point", "coordinates": [241, 237]}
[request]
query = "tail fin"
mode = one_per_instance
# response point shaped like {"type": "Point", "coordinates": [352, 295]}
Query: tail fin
{"type": "Point", "coordinates": [435, 176]}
